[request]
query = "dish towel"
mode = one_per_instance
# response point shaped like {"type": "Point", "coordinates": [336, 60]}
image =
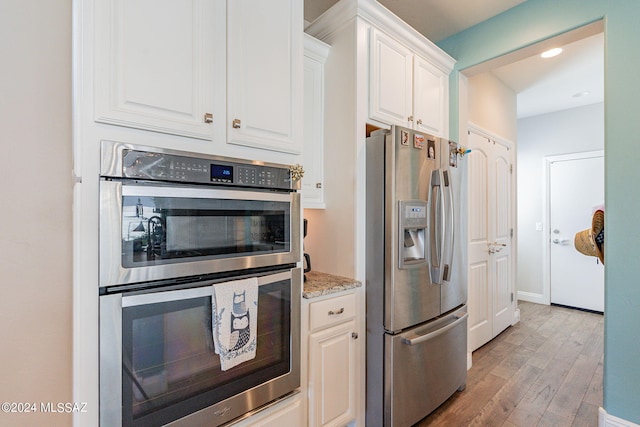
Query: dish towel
{"type": "Point", "coordinates": [234, 318]}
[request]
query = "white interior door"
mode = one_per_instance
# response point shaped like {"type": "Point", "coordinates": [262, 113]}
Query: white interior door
{"type": "Point", "coordinates": [490, 216]}
{"type": "Point", "coordinates": [576, 185]}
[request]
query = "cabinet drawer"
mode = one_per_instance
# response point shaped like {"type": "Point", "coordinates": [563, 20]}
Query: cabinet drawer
{"type": "Point", "coordinates": [332, 311]}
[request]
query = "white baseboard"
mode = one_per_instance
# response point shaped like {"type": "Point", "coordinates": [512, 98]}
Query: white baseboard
{"type": "Point", "coordinates": [531, 297]}
{"type": "Point", "coordinates": [516, 316]}
{"type": "Point", "coordinates": [469, 360]}
{"type": "Point", "coordinates": [607, 420]}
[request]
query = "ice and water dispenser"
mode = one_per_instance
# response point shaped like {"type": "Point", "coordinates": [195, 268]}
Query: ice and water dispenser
{"type": "Point", "coordinates": [412, 233]}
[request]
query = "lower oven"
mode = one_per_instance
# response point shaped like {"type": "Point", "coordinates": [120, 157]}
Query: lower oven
{"type": "Point", "coordinates": [158, 364]}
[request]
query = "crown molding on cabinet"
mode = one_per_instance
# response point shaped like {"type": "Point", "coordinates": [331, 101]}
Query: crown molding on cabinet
{"type": "Point", "coordinates": [315, 49]}
{"type": "Point", "coordinates": [345, 11]}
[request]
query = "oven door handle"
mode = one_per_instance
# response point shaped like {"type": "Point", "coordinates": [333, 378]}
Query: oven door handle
{"type": "Point", "coordinates": [203, 291]}
{"type": "Point", "coordinates": [434, 334]}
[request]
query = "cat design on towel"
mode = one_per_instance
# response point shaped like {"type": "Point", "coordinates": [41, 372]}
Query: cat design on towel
{"type": "Point", "coordinates": [234, 315]}
{"type": "Point", "coordinates": [240, 333]}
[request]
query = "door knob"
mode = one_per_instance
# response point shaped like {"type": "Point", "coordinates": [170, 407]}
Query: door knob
{"type": "Point", "coordinates": [495, 247]}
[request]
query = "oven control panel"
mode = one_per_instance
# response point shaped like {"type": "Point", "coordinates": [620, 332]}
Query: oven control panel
{"type": "Point", "coordinates": [177, 168]}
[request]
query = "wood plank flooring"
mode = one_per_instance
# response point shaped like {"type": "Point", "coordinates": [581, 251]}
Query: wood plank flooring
{"type": "Point", "coordinates": [544, 371]}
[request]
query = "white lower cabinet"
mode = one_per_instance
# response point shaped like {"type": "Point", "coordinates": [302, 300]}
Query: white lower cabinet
{"type": "Point", "coordinates": [333, 351]}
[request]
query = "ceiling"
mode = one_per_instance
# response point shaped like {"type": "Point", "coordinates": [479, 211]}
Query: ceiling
{"type": "Point", "coordinates": [542, 85]}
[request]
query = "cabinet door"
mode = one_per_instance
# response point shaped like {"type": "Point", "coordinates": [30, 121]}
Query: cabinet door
{"type": "Point", "coordinates": [332, 375]}
{"type": "Point", "coordinates": [265, 74]}
{"type": "Point", "coordinates": [313, 154]}
{"type": "Point", "coordinates": [390, 85]}
{"type": "Point", "coordinates": [430, 95]}
{"type": "Point", "coordinates": [154, 66]}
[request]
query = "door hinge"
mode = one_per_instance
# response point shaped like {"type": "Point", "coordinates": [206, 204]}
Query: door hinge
{"type": "Point", "coordinates": [511, 233]}
{"type": "Point", "coordinates": [511, 168]}
{"type": "Point", "coordinates": [511, 296]}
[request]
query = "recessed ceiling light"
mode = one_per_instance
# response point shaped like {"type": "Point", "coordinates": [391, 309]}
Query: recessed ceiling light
{"type": "Point", "coordinates": [581, 94]}
{"type": "Point", "coordinates": [551, 52]}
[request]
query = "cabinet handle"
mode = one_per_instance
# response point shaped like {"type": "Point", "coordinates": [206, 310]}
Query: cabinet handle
{"type": "Point", "coordinates": [236, 123]}
{"type": "Point", "coordinates": [354, 335]}
{"type": "Point", "coordinates": [333, 313]}
{"type": "Point", "coordinates": [208, 118]}
{"type": "Point", "coordinates": [410, 118]}
{"type": "Point", "coordinates": [318, 185]}
{"type": "Point", "coordinates": [419, 121]}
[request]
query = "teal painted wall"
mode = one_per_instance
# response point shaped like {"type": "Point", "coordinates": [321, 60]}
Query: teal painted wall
{"type": "Point", "coordinates": [536, 20]}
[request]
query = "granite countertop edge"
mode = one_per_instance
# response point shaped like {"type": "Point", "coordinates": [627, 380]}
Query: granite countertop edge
{"type": "Point", "coordinates": [319, 284]}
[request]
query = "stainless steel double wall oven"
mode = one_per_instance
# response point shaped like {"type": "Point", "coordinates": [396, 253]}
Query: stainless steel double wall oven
{"type": "Point", "coordinates": [173, 226]}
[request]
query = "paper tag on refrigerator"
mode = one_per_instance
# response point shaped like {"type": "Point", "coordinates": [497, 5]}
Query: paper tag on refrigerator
{"type": "Point", "coordinates": [404, 137]}
{"type": "Point", "coordinates": [418, 141]}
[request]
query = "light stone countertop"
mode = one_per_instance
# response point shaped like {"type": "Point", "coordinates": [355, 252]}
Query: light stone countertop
{"type": "Point", "coordinates": [319, 284]}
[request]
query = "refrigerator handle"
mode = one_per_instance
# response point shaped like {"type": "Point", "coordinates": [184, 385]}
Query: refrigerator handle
{"type": "Point", "coordinates": [431, 335]}
{"type": "Point", "coordinates": [449, 221]}
{"type": "Point", "coordinates": [436, 228]}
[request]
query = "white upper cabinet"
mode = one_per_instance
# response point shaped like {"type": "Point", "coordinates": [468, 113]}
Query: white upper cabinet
{"type": "Point", "coordinates": [264, 53]}
{"type": "Point", "coordinates": [155, 66]}
{"type": "Point", "coordinates": [390, 86]}
{"type": "Point", "coordinates": [404, 88]}
{"type": "Point", "coordinates": [430, 98]}
{"type": "Point", "coordinates": [230, 71]}
{"type": "Point", "coordinates": [315, 55]}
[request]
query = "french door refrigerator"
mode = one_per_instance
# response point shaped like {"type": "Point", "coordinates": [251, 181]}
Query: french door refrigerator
{"type": "Point", "coordinates": [416, 285]}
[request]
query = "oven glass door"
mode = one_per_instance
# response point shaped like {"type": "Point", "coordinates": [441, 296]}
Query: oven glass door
{"type": "Point", "coordinates": [159, 228]}
{"type": "Point", "coordinates": [150, 232]}
{"type": "Point", "coordinates": [168, 367]}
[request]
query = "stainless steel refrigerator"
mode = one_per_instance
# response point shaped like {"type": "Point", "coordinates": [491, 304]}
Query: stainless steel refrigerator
{"type": "Point", "coordinates": [415, 281]}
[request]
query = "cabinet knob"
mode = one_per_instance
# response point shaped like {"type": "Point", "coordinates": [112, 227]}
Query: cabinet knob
{"type": "Point", "coordinates": [419, 121]}
{"type": "Point", "coordinates": [318, 185]}
{"type": "Point", "coordinates": [236, 123]}
{"type": "Point", "coordinates": [410, 118]}
{"type": "Point", "coordinates": [354, 335]}
{"type": "Point", "coordinates": [208, 118]}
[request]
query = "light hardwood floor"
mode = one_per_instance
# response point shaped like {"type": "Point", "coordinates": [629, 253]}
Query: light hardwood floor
{"type": "Point", "coordinates": [544, 371]}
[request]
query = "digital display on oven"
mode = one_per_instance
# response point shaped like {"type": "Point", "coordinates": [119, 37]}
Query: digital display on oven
{"type": "Point", "coordinates": [221, 173]}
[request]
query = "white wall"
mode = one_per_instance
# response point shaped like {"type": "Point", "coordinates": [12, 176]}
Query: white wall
{"type": "Point", "coordinates": [569, 131]}
{"type": "Point", "coordinates": [36, 217]}
{"type": "Point", "coordinates": [331, 232]}
{"type": "Point", "coordinates": [492, 106]}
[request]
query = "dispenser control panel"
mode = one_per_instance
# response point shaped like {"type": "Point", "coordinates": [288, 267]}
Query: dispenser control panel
{"type": "Point", "coordinates": [414, 214]}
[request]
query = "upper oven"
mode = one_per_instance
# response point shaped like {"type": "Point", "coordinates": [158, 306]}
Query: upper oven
{"type": "Point", "coordinates": [166, 214]}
